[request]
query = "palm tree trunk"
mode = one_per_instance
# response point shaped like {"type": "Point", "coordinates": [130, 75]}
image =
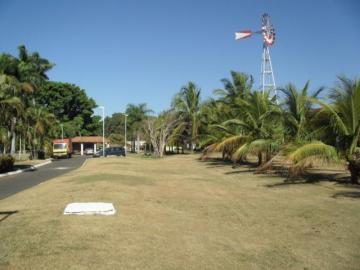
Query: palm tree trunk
{"type": "Point", "coordinates": [260, 158]}
{"type": "Point", "coordinates": [138, 143]}
{"type": "Point", "coordinates": [354, 168]}
{"type": "Point", "coordinates": [13, 136]}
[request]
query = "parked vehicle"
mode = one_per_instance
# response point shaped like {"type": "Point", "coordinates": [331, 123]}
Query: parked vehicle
{"type": "Point", "coordinates": [62, 148]}
{"type": "Point", "coordinates": [89, 151]}
{"type": "Point", "coordinates": [111, 151]}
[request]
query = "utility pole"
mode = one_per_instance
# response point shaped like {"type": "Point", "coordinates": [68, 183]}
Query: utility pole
{"type": "Point", "coordinates": [62, 132]}
{"type": "Point", "coordinates": [125, 146]}
{"type": "Point", "coordinates": [103, 127]}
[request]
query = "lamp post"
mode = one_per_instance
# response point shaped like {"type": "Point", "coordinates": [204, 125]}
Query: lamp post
{"type": "Point", "coordinates": [62, 132]}
{"type": "Point", "coordinates": [125, 146]}
{"type": "Point", "coordinates": [103, 128]}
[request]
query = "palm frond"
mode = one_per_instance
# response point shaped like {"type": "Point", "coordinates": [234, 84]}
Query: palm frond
{"type": "Point", "coordinates": [231, 142]}
{"type": "Point", "coordinates": [316, 151]}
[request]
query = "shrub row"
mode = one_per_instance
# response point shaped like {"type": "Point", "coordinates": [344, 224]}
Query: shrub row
{"type": "Point", "coordinates": [6, 163]}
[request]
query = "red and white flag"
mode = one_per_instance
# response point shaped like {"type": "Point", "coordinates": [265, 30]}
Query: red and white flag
{"type": "Point", "coordinates": [243, 34]}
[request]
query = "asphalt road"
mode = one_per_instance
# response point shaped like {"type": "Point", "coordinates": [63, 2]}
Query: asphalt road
{"type": "Point", "coordinates": [12, 184]}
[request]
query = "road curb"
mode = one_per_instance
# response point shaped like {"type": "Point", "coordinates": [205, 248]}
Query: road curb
{"type": "Point", "coordinates": [27, 169]}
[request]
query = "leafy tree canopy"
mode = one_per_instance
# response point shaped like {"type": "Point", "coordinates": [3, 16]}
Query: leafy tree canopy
{"type": "Point", "coordinates": [71, 106]}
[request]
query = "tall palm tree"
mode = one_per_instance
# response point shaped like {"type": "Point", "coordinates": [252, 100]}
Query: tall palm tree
{"type": "Point", "coordinates": [187, 104]}
{"type": "Point", "coordinates": [40, 126]}
{"type": "Point", "coordinates": [27, 73]}
{"type": "Point", "coordinates": [32, 67]}
{"type": "Point", "coordinates": [136, 117]}
{"type": "Point", "coordinates": [11, 105]}
{"type": "Point", "coordinates": [239, 86]}
{"type": "Point", "coordinates": [344, 120]}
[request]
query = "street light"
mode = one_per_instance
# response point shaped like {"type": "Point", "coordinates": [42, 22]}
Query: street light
{"type": "Point", "coordinates": [125, 133]}
{"type": "Point", "coordinates": [62, 132]}
{"type": "Point", "coordinates": [103, 126]}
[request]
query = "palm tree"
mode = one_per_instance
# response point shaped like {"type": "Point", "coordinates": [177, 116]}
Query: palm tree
{"type": "Point", "coordinates": [25, 74]}
{"type": "Point", "coordinates": [32, 67]}
{"type": "Point", "coordinates": [298, 112]}
{"type": "Point", "coordinates": [260, 125]}
{"type": "Point", "coordinates": [256, 128]}
{"type": "Point", "coordinates": [136, 116]}
{"type": "Point", "coordinates": [11, 106]}
{"type": "Point", "coordinates": [40, 126]}
{"type": "Point", "coordinates": [239, 86]}
{"type": "Point", "coordinates": [344, 120]}
{"type": "Point", "coordinates": [187, 104]}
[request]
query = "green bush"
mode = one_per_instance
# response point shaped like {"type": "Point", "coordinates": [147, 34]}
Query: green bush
{"type": "Point", "coordinates": [6, 163]}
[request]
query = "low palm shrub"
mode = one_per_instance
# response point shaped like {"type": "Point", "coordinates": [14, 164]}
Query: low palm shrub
{"type": "Point", "coordinates": [6, 163]}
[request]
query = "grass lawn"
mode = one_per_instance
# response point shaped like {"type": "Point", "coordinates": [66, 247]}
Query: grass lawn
{"type": "Point", "coordinates": [181, 213]}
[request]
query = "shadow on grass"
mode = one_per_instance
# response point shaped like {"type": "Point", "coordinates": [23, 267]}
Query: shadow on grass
{"type": "Point", "coordinates": [219, 162]}
{"type": "Point", "coordinates": [312, 176]}
{"type": "Point", "coordinates": [6, 214]}
{"type": "Point", "coordinates": [347, 194]}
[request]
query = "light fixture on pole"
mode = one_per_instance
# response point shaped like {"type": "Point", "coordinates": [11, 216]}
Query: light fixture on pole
{"type": "Point", "coordinates": [125, 146]}
{"type": "Point", "coordinates": [103, 128]}
{"type": "Point", "coordinates": [62, 132]}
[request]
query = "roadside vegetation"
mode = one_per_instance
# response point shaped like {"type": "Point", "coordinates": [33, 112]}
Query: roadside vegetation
{"type": "Point", "coordinates": [32, 107]}
{"type": "Point", "coordinates": [298, 129]}
{"type": "Point", "coordinates": [301, 127]}
{"type": "Point", "coordinates": [180, 213]}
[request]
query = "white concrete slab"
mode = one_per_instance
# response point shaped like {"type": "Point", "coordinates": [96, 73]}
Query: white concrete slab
{"type": "Point", "coordinates": [90, 208]}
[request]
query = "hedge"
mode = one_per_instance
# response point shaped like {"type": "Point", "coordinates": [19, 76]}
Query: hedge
{"type": "Point", "coordinates": [6, 163]}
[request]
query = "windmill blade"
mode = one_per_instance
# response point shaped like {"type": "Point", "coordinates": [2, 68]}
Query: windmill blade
{"type": "Point", "coordinates": [243, 34]}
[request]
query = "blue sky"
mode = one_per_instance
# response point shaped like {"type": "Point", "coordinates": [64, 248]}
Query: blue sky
{"type": "Point", "coordinates": [143, 51]}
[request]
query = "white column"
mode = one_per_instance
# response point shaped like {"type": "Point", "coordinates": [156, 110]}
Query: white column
{"type": "Point", "coordinates": [82, 149]}
{"type": "Point", "coordinates": [94, 148]}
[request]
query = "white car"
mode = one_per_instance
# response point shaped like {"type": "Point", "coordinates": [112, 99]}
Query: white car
{"type": "Point", "coordinates": [89, 151]}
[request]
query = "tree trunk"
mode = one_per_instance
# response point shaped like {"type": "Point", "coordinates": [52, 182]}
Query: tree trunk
{"type": "Point", "coordinates": [268, 156]}
{"type": "Point", "coordinates": [13, 136]}
{"type": "Point", "coordinates": [137, 143]}
{"type": "Point", "coordinates": [354, 168]}
{"type": "Point", "coordinates": [259, 158]}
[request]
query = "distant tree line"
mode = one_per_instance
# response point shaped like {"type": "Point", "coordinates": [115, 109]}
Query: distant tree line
{"type": "Point", "coordinates": [296, 127]}
{"type": "Point", "coordinates": [32, 107]}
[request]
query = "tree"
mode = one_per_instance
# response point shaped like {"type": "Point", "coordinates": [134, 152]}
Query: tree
{"type": "Point", "coordinates": [71, 106]}
{"type": "Point", "coordinates": [41, 124]}
{"type": "Point", "coordinates": [135, 122]}
{"type": "Point", "coordinates": [30, 72]}
{"type": "Point", "coordinates": [298, 111]}
{"type": "Point", "coordinates": [239, 86]}
{"type": "Point", "coordinates": [32, 68]}
{"type": "Point", "coordinates": [159, 130]}
{"type": "Point", "coordinates": [10, 107]}
{"type": "Point", "coordinates": [187, 104]}
{"type": "Point", "coordinates": [344, 119]}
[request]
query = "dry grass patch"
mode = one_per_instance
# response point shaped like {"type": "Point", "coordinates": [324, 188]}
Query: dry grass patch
{"type": "Point", "coordinates": [180, 213]}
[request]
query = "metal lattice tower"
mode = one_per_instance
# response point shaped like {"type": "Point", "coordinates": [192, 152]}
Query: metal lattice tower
{"type": "Point", "coordinates": [267, 80]}
{"type": "Point", "coordinates": [267, 74]}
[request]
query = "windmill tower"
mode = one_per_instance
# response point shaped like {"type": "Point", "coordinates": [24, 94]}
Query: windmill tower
{"type": "Point", "coordinates": [267, 80]}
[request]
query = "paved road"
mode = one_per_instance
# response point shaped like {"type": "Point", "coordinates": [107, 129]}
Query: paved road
{"type": "Point", "coordinates": [12, 184]}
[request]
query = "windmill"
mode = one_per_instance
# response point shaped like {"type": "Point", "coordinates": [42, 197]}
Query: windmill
{"type": "Point", "coordinates": [268, 33]}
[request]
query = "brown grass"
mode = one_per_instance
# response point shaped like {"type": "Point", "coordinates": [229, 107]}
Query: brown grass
{"type": "Point", "coordinates": [181, 213]}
